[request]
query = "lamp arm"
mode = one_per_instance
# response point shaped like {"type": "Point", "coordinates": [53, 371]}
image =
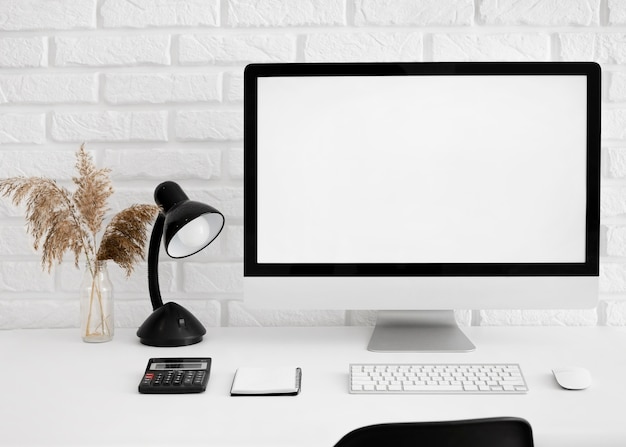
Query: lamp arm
{"type": "Point", "coordinates": [153, 262]}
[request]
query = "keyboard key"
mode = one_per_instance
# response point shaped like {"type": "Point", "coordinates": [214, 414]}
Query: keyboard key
{"type": "Point", "coordinates": [437, 378]}
{"type": "Point", "coordinates": [434, 388]}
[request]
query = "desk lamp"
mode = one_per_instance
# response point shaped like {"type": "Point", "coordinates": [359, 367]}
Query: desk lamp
{"type": "Point", "coordinates": [188, 227]}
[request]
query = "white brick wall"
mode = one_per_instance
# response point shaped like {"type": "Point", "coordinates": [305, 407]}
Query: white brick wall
{"type": "Point", "coordinates": [155, 89]}
{"type": "Point", "coordinates": [97, 50]}
{"type": "Point", "coordinates": [137, 88]}
{"type": "Point", "coordinates": [371, 46]}
{"type": "Point", "coordinates": [159, 13]}
{"type": "Point", "coordinates": [23, 51]}
{"type": "Point", "coordinates": [48, 88]}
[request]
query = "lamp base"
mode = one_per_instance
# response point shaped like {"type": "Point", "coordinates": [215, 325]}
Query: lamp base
{"type": "Point", "coordinates": [171, 325]}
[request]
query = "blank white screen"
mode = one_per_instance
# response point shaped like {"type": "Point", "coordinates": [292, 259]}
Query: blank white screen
{"type": "Point", "coordinates": [421, 169]}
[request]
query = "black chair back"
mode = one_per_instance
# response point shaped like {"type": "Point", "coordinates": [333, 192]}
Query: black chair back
{"type": "Point", "coordinates": [490, 432]}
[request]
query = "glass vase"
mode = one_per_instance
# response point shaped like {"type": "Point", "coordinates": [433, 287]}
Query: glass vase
{"type": "Point", "coordinates": [96, 304]}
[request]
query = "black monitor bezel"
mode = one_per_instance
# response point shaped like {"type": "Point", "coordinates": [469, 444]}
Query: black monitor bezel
{"type": "Point", "coordinates": [592, 240]}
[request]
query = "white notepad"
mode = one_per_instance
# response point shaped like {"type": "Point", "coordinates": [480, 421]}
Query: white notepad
{"type": "Point", "coordinates": [266, 381]}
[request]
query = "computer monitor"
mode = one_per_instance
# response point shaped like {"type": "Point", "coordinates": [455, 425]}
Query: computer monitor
{"type": "Point", "coordinates": [420, 188]}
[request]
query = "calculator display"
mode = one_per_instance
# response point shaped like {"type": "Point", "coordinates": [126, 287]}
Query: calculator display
{"type": "Point", "coordinates": [184, 365]}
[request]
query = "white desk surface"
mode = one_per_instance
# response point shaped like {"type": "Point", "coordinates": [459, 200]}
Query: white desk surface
{"type": "Point", "coordinates": [58, 390]}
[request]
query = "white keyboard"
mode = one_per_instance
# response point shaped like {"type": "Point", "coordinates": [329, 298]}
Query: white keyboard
{"type": "Point", "coordinates": [457, 378]}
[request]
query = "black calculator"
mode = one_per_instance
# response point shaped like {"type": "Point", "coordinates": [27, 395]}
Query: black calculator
{"type": "Point", "coordinates": [176, 375]}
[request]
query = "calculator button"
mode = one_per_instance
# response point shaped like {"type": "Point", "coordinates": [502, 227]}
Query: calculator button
{"type": "Point", "coordinates": [189, 378]}
{"type": "Point", "coordinates": [178, 378]}
{"type": "Point", "coordinates": [199, 378]}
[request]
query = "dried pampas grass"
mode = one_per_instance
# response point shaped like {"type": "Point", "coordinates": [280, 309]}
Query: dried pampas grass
{"type": "Point", "coordinates": [61, 221]}
{"type": "Point", "coordinates": [125, 237]}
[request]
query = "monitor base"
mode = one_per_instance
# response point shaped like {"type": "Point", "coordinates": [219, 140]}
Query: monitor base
{"type": "Point", "coordinates": [418, 331]}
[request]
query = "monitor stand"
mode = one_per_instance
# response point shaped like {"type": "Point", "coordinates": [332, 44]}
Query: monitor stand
{"type": "Point", "coordinates": [418, 331]}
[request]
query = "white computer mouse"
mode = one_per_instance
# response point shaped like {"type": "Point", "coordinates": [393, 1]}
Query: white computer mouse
{"type": "Point", "coordinates": [572, 377]}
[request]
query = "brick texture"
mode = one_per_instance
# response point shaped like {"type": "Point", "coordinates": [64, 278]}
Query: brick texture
{"type": "Point", "coordinates": [162, 88]}
{"type": "Point", "coordinates": [160, 13]}
{"type": "Point", "coordinates": [491, 47]}
{"type": "Point", "coordinates": [228, 49]}
{"type": "Point", "coordinates": [617, 12]}
{"type": "Point", "coordinates": [48, 88]}
{"type": "Point", "coordinates": [374, 47]}
{"type": "Point", "coordinates": [112, 51]}
{"type": "Point", "coordinates": [23, 15]}
{"type": "Point", "coordinates": [209, 125]}
{"type": "Point", "coordinates": [617, 87]}
{"type": "Point", "coordinates": [414, 12]}
{"type": "Point", "coordinates": [18, 128]}
{"type": "Point", "coordinates": [605, 48]}
{"type": "Point", "coordinates": [109, 126]}
{"type": "Point", "coordinates": [22, 52]}
{"type": "Point", "coordinates": [157, 164]}
{"type": "Point", "coordinates": [286, 13]}
{"type": "Point", "coordinates": [540, 12]}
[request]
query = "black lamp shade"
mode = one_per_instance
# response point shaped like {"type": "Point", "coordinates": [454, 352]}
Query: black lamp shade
{"type": "Point", "coordinates": [188, 227]}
